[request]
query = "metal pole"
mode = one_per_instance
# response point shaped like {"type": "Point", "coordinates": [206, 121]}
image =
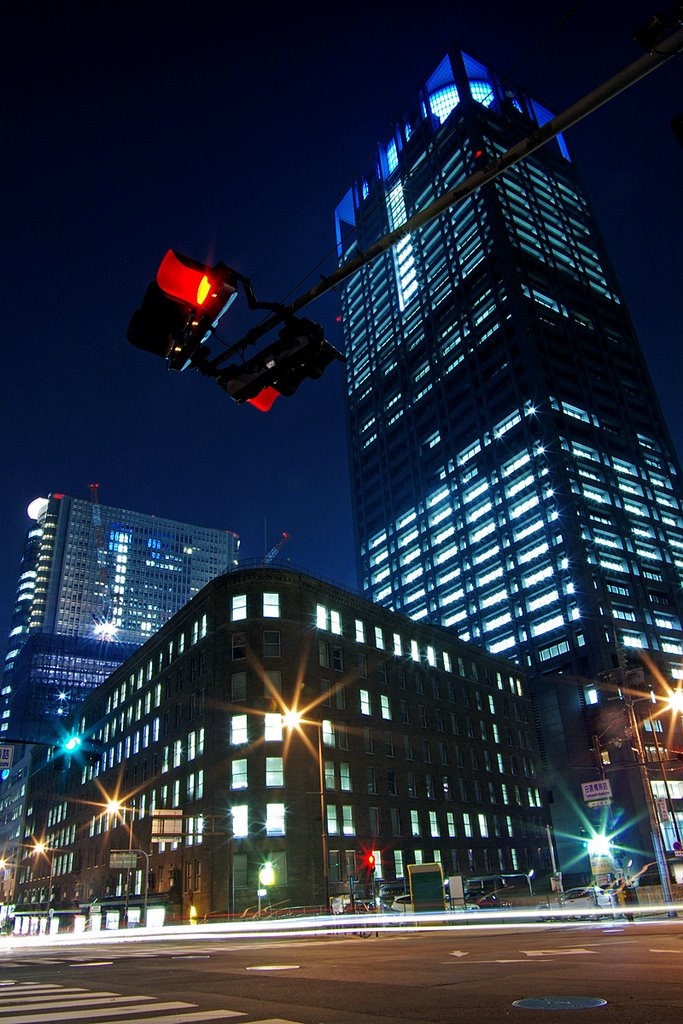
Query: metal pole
{"type": "Point", "coordinates": [323, 823]}
{"type": "Point", "coordinates": [662, 769]}
{"type": "Point", "coordinates": [51, 857]}
{"type": "Point", "coordinates": [655, 833]}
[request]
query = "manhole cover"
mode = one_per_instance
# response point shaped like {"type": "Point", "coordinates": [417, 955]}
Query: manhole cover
{"type": "Point", "coordinates": [560, 1003]}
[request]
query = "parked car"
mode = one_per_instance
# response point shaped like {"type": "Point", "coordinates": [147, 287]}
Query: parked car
{"type": "Point", "coordinates": [583, 897]}
{"type": "Point", "coordinates": [388, 892]}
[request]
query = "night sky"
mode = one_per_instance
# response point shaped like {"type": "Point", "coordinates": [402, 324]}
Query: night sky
{"type": "Point", "coordinates": [232, 135]}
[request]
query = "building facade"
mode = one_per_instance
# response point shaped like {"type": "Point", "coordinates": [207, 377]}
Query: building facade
{"type": "Point", "coordinates": [513, 476]}
{"type": "Point", "coordinates": [410, 745]}
{"type": "Point", "coordinates": [95, 582]}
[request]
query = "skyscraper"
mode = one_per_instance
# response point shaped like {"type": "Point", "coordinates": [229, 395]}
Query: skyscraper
{"type": "Point", "coordinates": [95, 582]}
{"type": "Point", "coordinates": [513, 475]}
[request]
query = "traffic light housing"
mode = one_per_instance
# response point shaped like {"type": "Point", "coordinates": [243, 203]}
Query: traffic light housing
{"type": "Point", "coordinates": [181, 308]}
{"type": "Point", "coordinates": [84, 750]}
{"type": "Point", "coordinates": [301, 351]}
{"type": "Point", "coordinates": [370, 861]}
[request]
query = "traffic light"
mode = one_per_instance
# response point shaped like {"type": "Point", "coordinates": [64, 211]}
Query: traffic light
{"type": "Point", "coordinates": [181, 308]}
{"type": "Point", "coordinates": [301, 351]}
{"type": "Point", "coordinates": [82, 749]}
{"type": "Point", "coordinates": [370, 861]}
{"type": "Point", "coordinates": [61, 757]}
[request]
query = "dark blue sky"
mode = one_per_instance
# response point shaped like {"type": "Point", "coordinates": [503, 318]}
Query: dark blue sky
{"type": "Point", "coordinates": [232, 136]}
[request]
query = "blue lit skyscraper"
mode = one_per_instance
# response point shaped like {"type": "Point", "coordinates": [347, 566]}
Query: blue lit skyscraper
{"type": "Point", "coordinates": [512, 472]}
{"type": "Point", "coordinates": [95, 583]}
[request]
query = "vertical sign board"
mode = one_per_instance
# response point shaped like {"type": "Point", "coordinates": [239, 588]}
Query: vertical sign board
{"type": "Point", "coordinates": [426, 887]}
{"type": "Point", "coordinates": [6, 758]}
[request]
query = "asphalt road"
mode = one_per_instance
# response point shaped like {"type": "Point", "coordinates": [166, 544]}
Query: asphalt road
{"type": "Point", "coordinates": [468, 975]}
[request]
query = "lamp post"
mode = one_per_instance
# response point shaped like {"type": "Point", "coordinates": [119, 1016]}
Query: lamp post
{"type": "Point", "coordinates": [43, 848]}
{"type": "Point", "coordinates": [655, 833]}
{"type": "Point", "coordinates": [119, 809]}
{"type": "Point", "coordinates": [293, 719]}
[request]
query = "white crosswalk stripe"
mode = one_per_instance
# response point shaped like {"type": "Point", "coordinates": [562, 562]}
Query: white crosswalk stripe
{"type": "Point", "coordinates": [41, 1003]}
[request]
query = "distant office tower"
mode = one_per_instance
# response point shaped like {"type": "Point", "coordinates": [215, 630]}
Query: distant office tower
{"type": "Point", "coordinates": [513, 475]}
{"type": "Point", "coordinates": [95, 583]}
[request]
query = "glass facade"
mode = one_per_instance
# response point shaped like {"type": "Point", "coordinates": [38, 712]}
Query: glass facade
{"type": "Point", "coordinates": [95, 583]}
{"type": "Point", "coordinates": [513, 475]}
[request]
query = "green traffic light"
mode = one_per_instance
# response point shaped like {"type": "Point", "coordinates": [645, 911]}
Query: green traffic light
{"type": "Point", "coordinates": [72, 743]}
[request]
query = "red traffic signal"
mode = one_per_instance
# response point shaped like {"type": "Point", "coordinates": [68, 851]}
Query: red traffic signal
{"type": "Point", "coordinates": [370, 861]}
{"type": "Point", "coordinates": [301, 351]}
{"type": "Point", "coordinates": [181, 308]}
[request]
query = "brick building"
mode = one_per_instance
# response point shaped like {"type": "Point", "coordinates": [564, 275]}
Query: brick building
{"type": "Point", "coordinates": [424, 746]}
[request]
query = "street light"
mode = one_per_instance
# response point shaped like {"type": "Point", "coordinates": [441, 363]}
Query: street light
{"type": "Point", "coordinates": [655, 833]}
{"type": "Point", "coordinates": [117, 808]}
{"type": "Point", "coordinates": [42, 848]}
{"type": "Point", "coordinates": [293, 719]}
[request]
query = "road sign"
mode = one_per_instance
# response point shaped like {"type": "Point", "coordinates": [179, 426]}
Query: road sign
{"type": "Point", "coordinates": [123, 860]}
{"type": "Point", "coordinates": [167, 825]}
{"type": "Point", "coordinates": [6, 757]}
{"type": "Point", "coordinates": [600, 789]}
{"type": "Point", "coordinates": [598, 803]}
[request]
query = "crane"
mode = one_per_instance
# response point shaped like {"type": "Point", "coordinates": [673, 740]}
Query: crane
{"type": "Point", "coordinates": [276, 548]}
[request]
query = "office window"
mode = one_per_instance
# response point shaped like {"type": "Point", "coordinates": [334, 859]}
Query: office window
{"type": "Point", "coordinates": [345, 777]}
{"type": "Point", "coordinates": [238, 730]}
{"type": "Point", "coordinates": [329, 775]}
{"type": "Point", "coordinates": [238, 685]}
{"type": "Point", "coordinates": [272, 728]}
{"type": "Point", "coordinates": [271, 643]}
{"type": "Point", "coordinates": [323, 653]}
{"type": "Point", "coordinates": [415, 823]}
{"type": "Point", "coordinates": [371, 776]}
{"type": "Point", "coordinates": [347, 820]}
{"type": "Point", "coordinates": [384, 707]}
{"type": "Point", "coordinates": [239, 646]}
{"type": "Point", "coordinates": [332, 824]}
{"type": "Point", "coordinates": [271, 606]}
{"type": "Point", "coordinates": [434, 830]}
{"type": "Point", "coordinates": [365, 708]}
{"type": "Point", "coordinates": [239, 779]}
{"type": "Point", "coordinates": [239, 607]}
{"type": "Point", "coordinates": [335, 623]}
{"type": "Point", "coordinates": [360, 631]}
{"type": "Point", "coordinates": [275, 820]}
{"type": "Point", "coordinates": [275, 775]}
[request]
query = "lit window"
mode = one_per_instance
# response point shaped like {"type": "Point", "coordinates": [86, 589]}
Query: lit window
{"type": "Point", "coordinates": [275, 819]}
{"type": "Point", "coordinates": [365, 703]}
{"type": "Point", "coordinates": [384, 706]}
{"type": "Point", "coordinates": [240, 821]}
{"type": "Point", "coordinates": [379, 638]}
{"type": "Point", "coordinates": [414, 650]}
{"type": "Point", "coordinates": [273, 728]}
{"type": "Point", "coordinates": [239, 774]}
{"type": "Point", "coordinates": [274, 772]}
{"type": "Point", "coordinates": [360, 632]}
{"type": "Point", "coordinates": [238, 730]}
{"type": "Point", "coordinates": [433, 825]}
{"type": "Point", "coordinates": [239, 607]}
{"type": "Point", "coordinates": [271, 606]}
{"type": "Point", "coordinates": [414, 823]}
{"type": "Point", "coordinates": [347, 820]}
{"type": "Point", "coordinates": [335, 623]}
{"type": "Point", "coordinates": [321, 616]}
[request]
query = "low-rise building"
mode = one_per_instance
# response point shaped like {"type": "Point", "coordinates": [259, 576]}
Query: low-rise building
{"type": "Point", "coordinates": [405, 743]}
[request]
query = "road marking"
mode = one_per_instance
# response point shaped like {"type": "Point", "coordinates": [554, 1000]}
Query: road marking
{"type": "Point", "coordinates": [556, 952]}
{"type": "Point", "coordinates": [54, 1002]}
{"type": "Point", "coordinates": [93, 1014]}
{"type": "Point", "coordinates": [275, 967]}
{"type": "Point", "coordinates": [93, 963]}
{"type": "Point", "coordinates": [458, 952]}
{"type": "Point", "coordinates": [185, 1018]}
{"type": "Point", "coordinates": [679, 951]}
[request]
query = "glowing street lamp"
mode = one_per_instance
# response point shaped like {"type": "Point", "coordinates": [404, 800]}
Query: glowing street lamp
{"type": "Point", "coordinates": [118, 809]}
{"type": "Point", "coordinates": [41, 848]}
{"type": "Point", "coordinates": [294, 720]}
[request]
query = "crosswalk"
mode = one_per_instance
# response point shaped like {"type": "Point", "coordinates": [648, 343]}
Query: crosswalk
{"type": "Point", "coordinates": [27, 1002]}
